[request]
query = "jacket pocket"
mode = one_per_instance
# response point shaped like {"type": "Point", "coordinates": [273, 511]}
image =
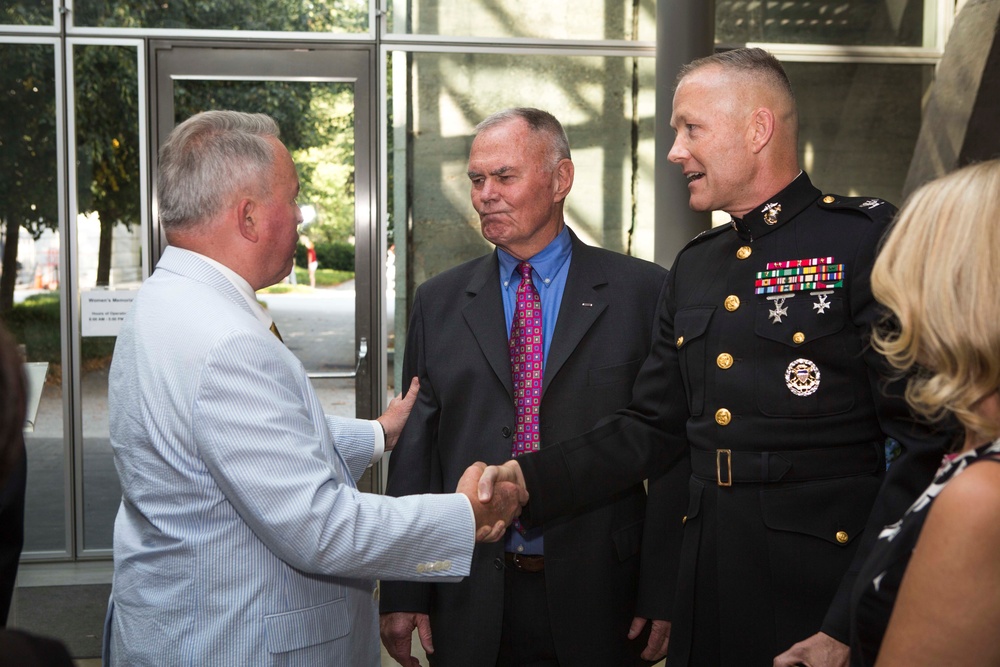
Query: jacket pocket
{"type": "Point", "coordinates": [628, 540]}
{"type": "Point", "coordinates": [293, 630]}
{"type": "Point", "coordinates": [690, 326]}
{"type": "Point", "coordinates": [610, 374]}
{"type": "Point", "coordinates": [807, 359]}
{"type": "Point", "coordinates": [834, 511]}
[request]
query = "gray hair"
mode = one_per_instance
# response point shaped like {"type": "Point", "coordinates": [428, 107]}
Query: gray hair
{"type": "Point", "coordinates": [755, 63]}
{"type": "Point", "coordinates": [540, 122]}
{"type": "Point", "coordinates": [207, 159]}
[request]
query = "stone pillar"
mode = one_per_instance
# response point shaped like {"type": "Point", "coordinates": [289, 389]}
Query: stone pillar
{"type": "Point", "coordinates": [959, 120]}
{"type": "Point", "coordinates": [685, 30]}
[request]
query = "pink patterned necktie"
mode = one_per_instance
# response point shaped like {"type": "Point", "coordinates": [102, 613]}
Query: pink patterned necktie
{"type": "Point", "coordinates": [526, 362]}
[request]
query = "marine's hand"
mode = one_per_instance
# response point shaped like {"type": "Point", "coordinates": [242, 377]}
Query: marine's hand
{"type": "Point", "coordinates": [820, 650]}
{"type": "Point", "coordinates": [394, 417]}
{"type": "Point", "coordinates": [659, 637]}
{"type": "Point", "coordinates": [397, 629]}
{"type": "Point", "coordinates": [508, 472]}
{"type": "Point", "coordinates": [493, 517]}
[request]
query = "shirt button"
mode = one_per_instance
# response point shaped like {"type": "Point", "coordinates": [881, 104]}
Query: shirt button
{"type": "Point", "coordinates": [744, 252]}
{"type": "Point", "coordinates": [723, 417]}
{"type": "Point", "coordinates": [799, 338]}
{"type": "Point", "coordinates": [732, 302]}
{"type": "Point", "coordinates": [842, 537]}
{"type": "Point", "coordinates": [724, 360]}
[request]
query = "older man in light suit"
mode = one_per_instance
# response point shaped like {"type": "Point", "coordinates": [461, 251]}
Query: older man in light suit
{"type": "Point", "coordinates": [242, 538]}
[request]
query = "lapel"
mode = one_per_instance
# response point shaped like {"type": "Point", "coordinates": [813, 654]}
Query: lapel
{"type": "Point", "coordinates": [582, 304]}
{"type": "Point", "coordinates": [484, 314]}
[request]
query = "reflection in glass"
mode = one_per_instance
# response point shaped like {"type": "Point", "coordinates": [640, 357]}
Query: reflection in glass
{"type": "Point", "coordinates": [29, 273]}
{"type": "Point", "coordinates": [26, 12]}
{"type": "Point", "coordinates": [553, 19]}
{"type": "Point", "coordinates": [845, 143]}
{"type": "Point", "coordinates": [847, 22]}
{"type": "Point", "coordinates": [109, 254]}
{"type": "Point", "coordinates": [337, 16]}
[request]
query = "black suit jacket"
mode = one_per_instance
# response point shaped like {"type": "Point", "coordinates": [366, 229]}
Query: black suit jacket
{"type": "Point", "coordinates": [457, 345]}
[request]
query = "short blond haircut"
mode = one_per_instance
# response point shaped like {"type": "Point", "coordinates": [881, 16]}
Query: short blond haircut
{"type": "Point", "coordinates": [939, 274]}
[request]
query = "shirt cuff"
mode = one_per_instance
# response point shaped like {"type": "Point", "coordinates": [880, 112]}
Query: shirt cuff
{"type": "Point", "coordinates": [379, 441]}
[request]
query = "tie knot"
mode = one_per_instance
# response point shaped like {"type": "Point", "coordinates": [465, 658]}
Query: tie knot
{"type": "Point", "coordinates": [525, 270]}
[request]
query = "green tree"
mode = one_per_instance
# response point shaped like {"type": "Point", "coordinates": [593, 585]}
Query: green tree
{"type": "Point", "coordinates": [107, 122]}
{"type": "Point", "coordinates": [28, 166]}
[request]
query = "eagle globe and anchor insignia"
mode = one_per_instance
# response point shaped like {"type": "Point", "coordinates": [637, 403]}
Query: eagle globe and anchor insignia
{"type": "Point", "coordinates": [802, 377]}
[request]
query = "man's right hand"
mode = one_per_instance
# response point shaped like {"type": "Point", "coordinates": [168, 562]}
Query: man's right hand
{"type": "Point", "coordinates": [496, 514]}
{"type": "Point", "coordinates": [397, 630]}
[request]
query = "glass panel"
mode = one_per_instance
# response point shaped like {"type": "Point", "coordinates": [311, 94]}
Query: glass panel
{"type": "Point", "coordinates": [845, 22]}
{"type": "Point", "coordinates": [607, 106]}
{"type": "Point", "coordinates": [109, 255]}
{"type": "Point", "coordinates": [29, 274]}
{"type": "Point", "coordinates": [553, 19]}
{"type": "Point", "coordinates": [339, 16]}
{"type": "Point", "coordinates": [26, 12]}
{"type": "Point", "coordinates": [313, 308]}
{"type": "Point", "coordinates": [845, 143]}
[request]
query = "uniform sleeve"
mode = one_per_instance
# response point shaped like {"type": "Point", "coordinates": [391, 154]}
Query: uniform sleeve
{"type": "Point", "coordinates": [638, 442]}
{"type": "Point", "coordinates": [922, 445]}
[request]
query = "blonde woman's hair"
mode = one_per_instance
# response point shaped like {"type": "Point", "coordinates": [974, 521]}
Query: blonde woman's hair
{"type": "Point", "coordinates": [939, 273]}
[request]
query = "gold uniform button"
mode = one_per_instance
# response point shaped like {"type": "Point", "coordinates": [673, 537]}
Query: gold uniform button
{"type": "Point", "coordinates": [724, 360]}
{"type": "Point", "coordinates": [680, 341]}
{"type": "Point", "coordinates": [744, 252]}
{"type": "Point", "coordinates": [829, 200]}
{"type": "Point", "coordinates": [732, 302]}
{"type": "Point", "coordinates": [684, 519]}
{"type": "Point", "coordinates": [723, 417]}
{"type": "Point", "coordinates": [798, 338]}
{"type": "Point", "coordinates": [842, 536]}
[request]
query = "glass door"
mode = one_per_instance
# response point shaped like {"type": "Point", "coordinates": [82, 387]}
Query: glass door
{"type": "Point", "coordinates": [328, 310]}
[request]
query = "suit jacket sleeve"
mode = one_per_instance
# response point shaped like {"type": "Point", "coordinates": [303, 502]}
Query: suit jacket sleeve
{"type": "Point", "coordinates": [289, 483]}
{"type": "Point", "coordinates": [412, 467]}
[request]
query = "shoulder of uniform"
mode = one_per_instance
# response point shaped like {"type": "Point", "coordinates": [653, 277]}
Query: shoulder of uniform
{"type": "Point", "coordinates": [872, 207]}
{"type": "Point", "coordinates": [706, 235]}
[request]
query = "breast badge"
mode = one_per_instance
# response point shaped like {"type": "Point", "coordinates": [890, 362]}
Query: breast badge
{"type": "Point", "coordinates": [802, 377]}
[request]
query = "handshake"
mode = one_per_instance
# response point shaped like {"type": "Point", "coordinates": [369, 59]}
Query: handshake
{"type": "Point", "coordinates": [497, 494]}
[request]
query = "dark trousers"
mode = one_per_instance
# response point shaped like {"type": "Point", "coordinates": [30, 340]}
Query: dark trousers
{"type": "Point", "coordinates": [526, 639]}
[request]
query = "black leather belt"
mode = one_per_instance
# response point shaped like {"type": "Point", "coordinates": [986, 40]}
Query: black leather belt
{"type": "Point", "coordinates": [524, 562]}
{"type": "Point", "coordinates": [726, 467]}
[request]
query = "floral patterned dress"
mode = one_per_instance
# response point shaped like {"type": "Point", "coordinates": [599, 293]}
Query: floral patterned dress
{"type": "Point", "coordinates": [878, 582]}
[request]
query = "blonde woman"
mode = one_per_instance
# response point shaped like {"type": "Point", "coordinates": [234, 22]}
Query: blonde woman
{"type": "Point", "coordinates": [937, 570]}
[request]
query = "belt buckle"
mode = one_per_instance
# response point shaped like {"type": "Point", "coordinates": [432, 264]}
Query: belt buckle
{"type": "Point", "coordinates": [728, 453]}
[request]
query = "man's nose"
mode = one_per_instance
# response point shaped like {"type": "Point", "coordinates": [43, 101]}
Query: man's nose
{"type": "Point", "coordinates": [677, 151]}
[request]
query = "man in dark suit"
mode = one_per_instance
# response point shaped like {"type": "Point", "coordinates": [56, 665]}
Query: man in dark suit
{"type": "Point", "coordinates": [565, 595]}
{"type": "Point", "coordinates": [760, 371]}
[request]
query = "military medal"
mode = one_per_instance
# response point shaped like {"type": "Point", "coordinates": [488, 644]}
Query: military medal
{"type": "Point", "coordinates": [771, 212]}
{"type": "Point", "coordinates": [821, 304]}
{"type": "Point", "coordinates": [802, 377]}
{"type": "Point", "coordinates": [779, 307]}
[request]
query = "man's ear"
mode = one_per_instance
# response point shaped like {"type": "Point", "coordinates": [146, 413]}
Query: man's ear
{"type": "Point", "coordinates": [563, 179]}
{"type": "Point", "coordinates": [245, 222]}
{"type": "Point", "coordinates": [761, 129]}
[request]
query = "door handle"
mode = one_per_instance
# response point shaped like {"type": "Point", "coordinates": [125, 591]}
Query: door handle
{"type": "Point", "coordinates": [345, 375]}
